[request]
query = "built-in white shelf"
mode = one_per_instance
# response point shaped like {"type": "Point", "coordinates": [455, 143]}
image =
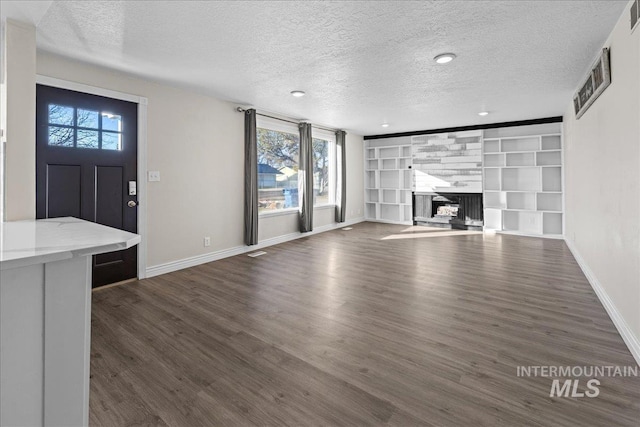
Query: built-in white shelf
{"type": "Point", "coordinates": [494, 159]}
{"type": "Point", "coordinates": [520, 159]}
{"type": "Point", "coordinates": [522, 177]}
{"type": "Point", "coordinates": [388, 152]}
{"type": "Point", "coordinates": [390, 212]}
{"type": "Point", "coordinates": [371, 180]}
{"type": "Point", "coordinates": [388, 164]}
{"type": "Point", "coordinates": [521, 201]}
{"type": "Point", "coordinates": [370, 210]}
{"type": "Point", "coordinates": [492, 179]}
{"type": "Point", "coordinates": [372, 195]}
{"type": "Point", "coordinates": [548, 158]}
{"type": "Point", "coordinates": [491, 145]}
{"type": "Point", "coordinates": [549, 202]}
{"type": "Point", "coordinates": [405, 196]}
{"type": "Point", "coordinates": [551, 223]}
{"type": "Point", "coordinates": [495, 199]}
{"type": "Point", "coordinates": [520, 144]}
{"type": "Point", "coordinates": [389, 196]}
{"type": "Point", "coordinates": [551, 142]}
{"type": "Point", "coordinates": [552, 179]}
{"type": "Point", "coordinates": [388, 181]}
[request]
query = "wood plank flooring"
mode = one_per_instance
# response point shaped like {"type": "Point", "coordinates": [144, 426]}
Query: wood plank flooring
{"type": "Point", "coordinates": [379, 325]}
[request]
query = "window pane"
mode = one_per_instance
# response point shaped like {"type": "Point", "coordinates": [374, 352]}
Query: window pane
{"type": "Point", "coordinates": [111, 141]}
{"type": "Point", "coordinates": [87, 139]}
{"type": "Point", "coordinates": [111, 122]}
{"type": "Point", "coordinates": [320, 172]}
{"type": "Point", "coordinates": [278, 154]}
{"type": "Point", "coordinates": [60, 115]}
{"type": "Point", "coordinates": [60, 136]}
{"type": "Point", "coordinates": [87, 119]}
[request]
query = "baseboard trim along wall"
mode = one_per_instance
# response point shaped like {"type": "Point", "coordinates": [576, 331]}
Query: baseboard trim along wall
{"type": "Point", "coordinates": [156, 270]}
{"type": "Point", "coordinates": [623, 328]}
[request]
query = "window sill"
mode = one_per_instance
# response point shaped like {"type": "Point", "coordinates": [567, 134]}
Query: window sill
{"type": "Point", "coordinates": [281, 212]}
{"type": "Point", "coordinates": [278, 212]}
{"type": "Point", "coordinates": [321, 207]}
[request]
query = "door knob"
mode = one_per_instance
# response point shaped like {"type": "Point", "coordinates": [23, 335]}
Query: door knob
{"type": "Point", "coordinates": [132, 204]}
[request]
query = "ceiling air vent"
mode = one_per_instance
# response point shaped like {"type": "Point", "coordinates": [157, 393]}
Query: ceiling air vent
{"type": "Point", "coordinates": [635, 14]}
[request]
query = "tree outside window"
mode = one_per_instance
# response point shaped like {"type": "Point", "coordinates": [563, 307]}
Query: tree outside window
{"type": "Point", "coordinates": [278, 164]}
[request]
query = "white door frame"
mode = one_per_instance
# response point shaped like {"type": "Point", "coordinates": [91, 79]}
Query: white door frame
{"type": "Point", "coordinates": [142, 151]}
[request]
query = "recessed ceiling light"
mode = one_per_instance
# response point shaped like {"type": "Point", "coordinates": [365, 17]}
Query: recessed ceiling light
{"type": "Point", "coordinates": [444, 58]}
{"type": "Point", "coordinates": [385, 125]}
{"type": "Point", "coordinates": [297, 93]}
{"type": "Point", "coordinates": [483, 113]}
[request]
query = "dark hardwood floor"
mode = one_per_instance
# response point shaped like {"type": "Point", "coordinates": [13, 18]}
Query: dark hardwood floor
{"type": "Point", "coordinates": [380, 325]}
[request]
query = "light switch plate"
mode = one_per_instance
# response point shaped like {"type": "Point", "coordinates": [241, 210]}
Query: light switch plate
{"type": "Point", "coordinates": [154, 176]}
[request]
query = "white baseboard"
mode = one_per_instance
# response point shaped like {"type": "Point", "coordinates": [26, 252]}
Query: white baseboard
{"type": "Point", "coordinates": [623, 328]}
{"type": "Point", "coordinates": [384, 221]}
{"type": "Point", "coordinates": [168, 267]}
{"type": "Point", "coordinates": [539, 236]}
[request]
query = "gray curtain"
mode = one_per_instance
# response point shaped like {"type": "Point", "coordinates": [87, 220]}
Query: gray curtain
{"type": "Point", "coordinates": [250, 178]}
{"type": "Point", "coordinates": [341, 175]}
{"type": "Point", "coordinates": [305, 178]}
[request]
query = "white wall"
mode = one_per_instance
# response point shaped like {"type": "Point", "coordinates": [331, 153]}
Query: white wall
{"type": "Point", "coordinates": [355, 176]}
{"type": "Point", "coordinates": [196, 142]}
{"type": "Point", "coordinates": [602, 180]}
{"type": "Point", "coordinates": [19, 113]}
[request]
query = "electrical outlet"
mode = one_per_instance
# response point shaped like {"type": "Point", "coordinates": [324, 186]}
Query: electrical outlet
{"type": "Point", "coordinates": [207, 241]}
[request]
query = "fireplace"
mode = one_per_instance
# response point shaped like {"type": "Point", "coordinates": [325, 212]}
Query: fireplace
{"type": "Point", "coordinates": [449, 210]}
{"type": "Point", "coordinates": [445, 207]}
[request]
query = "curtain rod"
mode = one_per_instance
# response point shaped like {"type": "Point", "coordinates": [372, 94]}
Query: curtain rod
{"type": "Point", "coordinates": [288, 120]}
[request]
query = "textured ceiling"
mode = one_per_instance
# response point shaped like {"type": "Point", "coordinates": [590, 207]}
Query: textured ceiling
{"type": "Point", "coordinates": [26, 11]}
{"type": "Point", "coordinates": [361, 63]}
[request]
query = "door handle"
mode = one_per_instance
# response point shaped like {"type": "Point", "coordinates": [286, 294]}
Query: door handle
{"type": "Point", "coordinates": [132, 204]}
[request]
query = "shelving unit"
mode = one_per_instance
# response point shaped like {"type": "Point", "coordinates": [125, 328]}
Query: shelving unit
{"type": "Point", "coordinates": [523, 182]}
{"type": "Point", "coordinates": [388, 181]}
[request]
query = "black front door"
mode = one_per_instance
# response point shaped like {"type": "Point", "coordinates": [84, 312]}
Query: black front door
{"type": "Point", "coordinates": [86, 167]}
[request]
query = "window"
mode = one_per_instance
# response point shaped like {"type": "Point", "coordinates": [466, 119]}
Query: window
{"type": "Point", "coordinates": [324, 155]}
{"type": "Point", "coordinates": [321, 172]}
{"type": "Point", "coordinates": [278, 156]}
{"type": "Point", "coordinates": [81, 128]}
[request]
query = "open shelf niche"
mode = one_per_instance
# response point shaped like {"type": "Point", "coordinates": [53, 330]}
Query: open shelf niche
{"type": "Point", "coordinates": [522, 180]}
{"type": "Point", "coordinates": [388, 180]}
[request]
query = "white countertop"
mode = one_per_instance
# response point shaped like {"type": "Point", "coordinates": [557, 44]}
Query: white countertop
{"type": "Point", "coordinates": [25, 243]}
